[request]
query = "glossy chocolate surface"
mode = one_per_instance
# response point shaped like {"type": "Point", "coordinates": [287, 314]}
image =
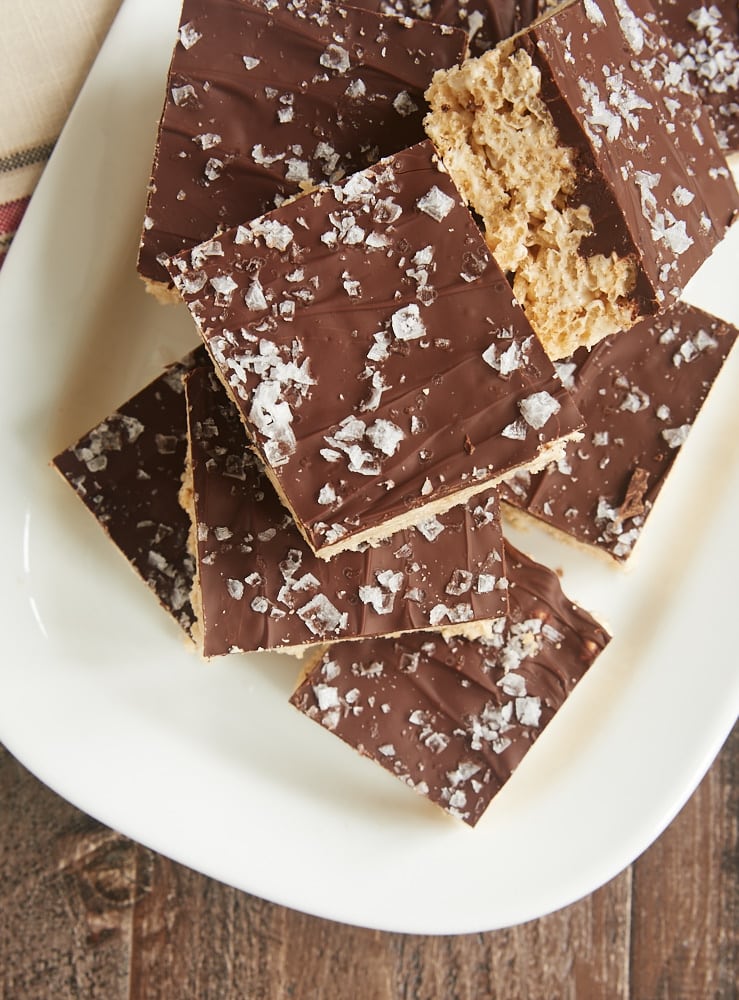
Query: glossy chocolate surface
{"type": "Point", "coordinates": [650, 167]}
{"type": "Point", "coordinates": [453, 719]}
{"type": "Point", "coordinates": [261, 586]}
{"type": "Point", "coordinates": [705, 38]}
{"type": "Point", "coordinates": [487, 22]}
{"type": "Point", "coordinates": [127, 472]}
{"type": "Point", "coordinates": [374, 349]}
{"type": "Point", "coordinates": [639, 392]}
{"type": "Point", "coordinates": [266, 97]}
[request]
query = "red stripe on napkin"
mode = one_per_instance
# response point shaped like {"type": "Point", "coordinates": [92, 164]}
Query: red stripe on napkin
{"type": "Point", "coordinates": [11, 214]}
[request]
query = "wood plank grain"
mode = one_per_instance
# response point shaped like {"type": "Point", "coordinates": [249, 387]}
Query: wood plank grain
{"type": "Point", "coordinates": [87, 913]}
{"type": "Point", "coordinates": [581, 951]}
{"type": "Point", "coordinates": [686, 896]}
{"type": "Point", "coordinates": [67, 885]}
{"type": "Point", "coordinates": [229, 944]}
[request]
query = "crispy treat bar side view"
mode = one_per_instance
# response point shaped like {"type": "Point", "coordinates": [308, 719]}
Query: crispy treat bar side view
{"type": "Point", "coordinates": [597, 175]}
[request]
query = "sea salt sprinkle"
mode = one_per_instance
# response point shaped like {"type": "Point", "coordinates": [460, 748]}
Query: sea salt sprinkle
{"type": "Point", "coordinates": [288, 597]}
{"type": "Point", "coordinates": [639, 395]}
{"type": "Point", "coordinates": [331, 376]}
{"type": "Point", "coordinates": [451, 718]}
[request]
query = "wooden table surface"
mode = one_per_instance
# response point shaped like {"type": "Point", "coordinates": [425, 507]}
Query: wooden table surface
{"type": "Point", "coordinates": [87, 913]}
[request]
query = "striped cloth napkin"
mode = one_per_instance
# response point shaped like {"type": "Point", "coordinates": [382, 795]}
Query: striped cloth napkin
{"type": "Point", "coordinates": [46, 50]}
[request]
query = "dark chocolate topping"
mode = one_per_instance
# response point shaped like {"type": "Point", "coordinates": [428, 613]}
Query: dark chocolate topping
{"type": "Point", "coordinates": [261, 586]}
{"type": "Point", "coordinates": [374, 349]}
{"type": "Point", "coordinates": [486, 21]}
{"type": "Point", "coordinates": [619, 102]}
{"type": "Point", "coordinates": [454, 718]}
{"type": "Point", "coordinates": [127, 471]}
{"type": "Point", "coordinates": [705, 39]}
{"type": "Point", "coordinates": [265, 97]}
{"type": "Point", "coordinates": [639, 392]}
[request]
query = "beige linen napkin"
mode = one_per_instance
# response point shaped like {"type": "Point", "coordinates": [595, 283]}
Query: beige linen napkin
{"type": "Point", "coordinates": [46, 50]}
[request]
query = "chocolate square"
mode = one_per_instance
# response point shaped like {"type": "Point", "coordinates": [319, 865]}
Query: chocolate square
{"type": "Point", "coordinates": [260, 586]}
{"type": "Point", "coordinates": [640, 393]}
{"type": "Point", "coordinates": [453, 718]}
{"type": "Point", "coordinates": [380, 363]}
{"type": "Point", "coordinates": [127, 471]}
{"type": "Point", "coordinates": [267, 97]}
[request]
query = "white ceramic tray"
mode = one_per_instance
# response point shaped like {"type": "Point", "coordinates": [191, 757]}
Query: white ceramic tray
{"type": "Point", "coordinates": [208, 764]}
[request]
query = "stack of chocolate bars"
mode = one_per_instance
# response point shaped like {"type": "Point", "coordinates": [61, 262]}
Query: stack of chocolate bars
{"type": "Point", "coordinates": [425, 282]}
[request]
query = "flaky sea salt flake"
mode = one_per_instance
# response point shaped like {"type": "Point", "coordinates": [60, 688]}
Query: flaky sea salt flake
{"type": "Point", "coordinates": [297, 171]}
{"type": "Point", "coordinates": [381, 601]}
{"type": "Point", "coordinates": [254, 298]}
{"type": "Point", "coordinates": [356, 89]}
{"type": "Point", "coordinates": [430, 528]}
{"type": "Point", "coordinates": [207, 140]}
{"type": "Point", "coordinates": [404, 104]}
{"type": "Point", "coordinates": [336, 58]}
{"type": "Point", "coordinates": [681, 196]}
{"type": "Point", "coordinates": [327, 495]}
{"type": "Point", "coordinates": [224, 287]}
{"type": "Point", "coordinates": [407, 324]}
{"type": "Point", "coordinates": [276, 235]}
{"type": "Point", "coordinates": [185, 96]}
{"type": "Point", "coordinates": [676, 436]}
{"type": "Point", "coordinates": [515, 431]}
{"type": "Point", "coordinates": [537, 408]}
{"type": "Point", "coordinates": [435, 203]}
{"type": "Point", "coordinates": [631, 26]}
{"type": "Point", "coordinates": [594, 14]}
{"type": "Point", "coordinates": [200, 253]}
{"type": "Point", "coordinates": [385, 436]}
{"type": "Point", "coordinates": [528, 710]}
{"type": "Point", "coordinates": [459, 583]}
{"type": "Point", "coordinates": [321, 617]}
{"type": "Point", "coordinates": [189, 35]}
{"type": "Point", "coordinates": [326, 696]}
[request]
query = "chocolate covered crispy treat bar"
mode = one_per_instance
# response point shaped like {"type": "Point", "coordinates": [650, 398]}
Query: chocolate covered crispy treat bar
{"type": "Point", "coordinates": [127, 472]}
{"type": "Point", "coordinates": [705, 38]}
{"type": "Point", "coordinates": [267, 97]}
{"type": "Point", "coordinates": [260, 586]}
{"type": "Point", "coordinates": [373, 347]}
{"type": "Point", "coordinates": [453, 719]}
{"type": "Point", "coordinates": [640, 393]}
{"type": "Point", "coordinates": [599, 181]}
